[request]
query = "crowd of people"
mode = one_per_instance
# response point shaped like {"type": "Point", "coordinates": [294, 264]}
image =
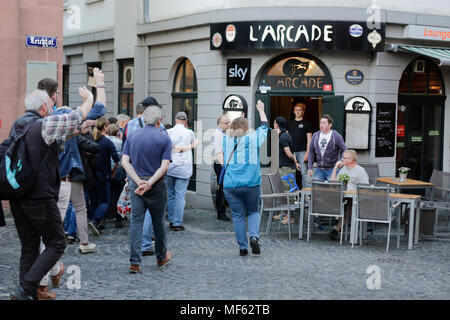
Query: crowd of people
{"type": "Point", "coordinates": [89, 163]}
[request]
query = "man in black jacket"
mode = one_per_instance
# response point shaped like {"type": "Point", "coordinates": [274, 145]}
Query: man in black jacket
{"type": "Point", "coordinates": [36, 215]}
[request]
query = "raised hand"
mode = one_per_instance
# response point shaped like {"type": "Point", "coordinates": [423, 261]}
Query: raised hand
{"type": "Point", "coordinates": [99, 76]}
{"type": "Point", "coordinates": [85, 93]}
{"type": "Point", "coordinates": [86, 126]}
{"type": "Point", "coordinates": [260, 106]}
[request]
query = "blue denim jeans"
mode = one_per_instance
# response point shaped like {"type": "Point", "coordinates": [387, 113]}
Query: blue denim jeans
{"type": "Point", "coordinates": [176, 192]}
{"type": "Point", "coordinates": [323, 174]}
{"type": "Point", "coordinates": [154, 201]}
{"type": "Point", "coordinates": [147, 232]}
{"type": "Point", "coordinates": [244, 203]}
{"type": "Point", "coordinates": [70, 221]}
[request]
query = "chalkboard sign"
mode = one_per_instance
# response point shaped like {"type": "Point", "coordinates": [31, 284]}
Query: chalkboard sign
{"type": "Point", "coordinates": [385, 130]}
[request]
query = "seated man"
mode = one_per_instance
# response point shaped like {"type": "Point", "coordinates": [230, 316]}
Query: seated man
{"type": "Point", "coordinates": [357, 175]}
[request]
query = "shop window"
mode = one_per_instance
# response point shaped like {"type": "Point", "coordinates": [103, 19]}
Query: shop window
{"type": "Point", "coordinates": [65, 87]}
{"type": "Point", "coordinates": [126, 87]}
{"type": "Point", "coordinates": [421, 77]}
{"type": "Point", "coordinates": [184, 97]}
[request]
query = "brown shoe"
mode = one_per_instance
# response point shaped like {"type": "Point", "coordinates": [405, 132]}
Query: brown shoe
{"type": "Point", "coordinates": [134, 268]}
{"type": "Point", "coordinates": [56, 280]}
{"type": "Point", "coordinates": [166, 260]}
{"type": "Point", "coordinates": [43, 293]}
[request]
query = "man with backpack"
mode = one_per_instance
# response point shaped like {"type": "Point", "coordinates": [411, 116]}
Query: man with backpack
{"type": "Point", "coordinates": [36, 213]}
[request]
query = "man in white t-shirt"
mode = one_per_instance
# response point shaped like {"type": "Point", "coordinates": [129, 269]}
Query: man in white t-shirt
{"type": "Point", "coordinates": [348, 165]}
{"type": "Point", "coordinates": [180, 170]}
{"type": "Point", "coordinates": [223, 123]}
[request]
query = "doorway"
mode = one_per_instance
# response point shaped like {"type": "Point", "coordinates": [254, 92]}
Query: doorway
{"type": "Point", "coordinates": [420, 119]}
{"type": "Point", "coordinates": [284, 106]}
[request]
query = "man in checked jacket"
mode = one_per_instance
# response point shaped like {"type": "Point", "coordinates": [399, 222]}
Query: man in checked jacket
{"type": "Point", "coordinates": [36, 214]}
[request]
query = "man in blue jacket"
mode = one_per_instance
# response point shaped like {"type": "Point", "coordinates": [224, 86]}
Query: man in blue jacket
{"type": "Point", "coordinates": [326, 146]}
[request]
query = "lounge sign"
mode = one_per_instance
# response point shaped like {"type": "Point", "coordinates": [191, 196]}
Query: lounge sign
{"type": "Point", "coordinates": [320, 35]}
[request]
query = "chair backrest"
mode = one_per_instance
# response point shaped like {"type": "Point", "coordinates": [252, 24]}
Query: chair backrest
{"type": "Point", "coordinates": [266, 188]}
{"type": "Point", "coordinates": [372, 170]}
{"type": "Point", "coordinates": [441, 180]}
{"type": "Point", "coordinates": [373, 202]}
{"type": "Point", "coordinates": [327, 197]}
{"type": "Point", "coordinates": [277, 187]}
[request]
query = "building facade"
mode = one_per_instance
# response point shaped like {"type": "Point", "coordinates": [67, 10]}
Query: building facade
{"type": "Point", "coordinates": [31, 49]}
{"type": "Point", "coordinates": [380, 71]}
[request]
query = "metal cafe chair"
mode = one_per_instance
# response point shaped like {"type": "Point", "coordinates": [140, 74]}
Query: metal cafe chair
{"type": "Point", "coordinates": [327, 199]}
{"type": "Point", "coordinates": [275, 199]}
{"type": "Point", "coordinates": [372, 170]}
{"type": "Point", "coordinates": [373, 204]}
{"type": "Point", "coordinates": [438, 199]}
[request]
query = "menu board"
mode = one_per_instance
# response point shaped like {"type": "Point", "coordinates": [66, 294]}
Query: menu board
{"type": "Point", "coordinates": [385, 130]}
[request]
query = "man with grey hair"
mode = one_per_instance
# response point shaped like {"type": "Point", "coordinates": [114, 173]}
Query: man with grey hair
{"type": "Point", "coordinates": [122, 121]}
{"type": "Point", "coordinates": [146, 158]}
{"type": "Point", "coordinates": [131, 127]}
{"type": "Point", "coordinates": [223, 124]}
{"type": "Point", "coordinates": [180, 170]}
{"type": "Point", "coordinates": [36, 214]}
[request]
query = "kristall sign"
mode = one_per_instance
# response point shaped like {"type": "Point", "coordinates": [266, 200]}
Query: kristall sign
{"type": "Point", "coordinates": [40, 41]}
{"type": "Point", "coordinates": [321, 35]}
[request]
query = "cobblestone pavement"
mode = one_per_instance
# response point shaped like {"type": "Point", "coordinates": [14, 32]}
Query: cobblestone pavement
{"type": "Point", "coordinates": [206, 265]}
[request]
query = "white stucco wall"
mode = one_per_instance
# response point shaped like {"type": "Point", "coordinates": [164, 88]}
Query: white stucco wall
{"type": "Point", "coordinates": [81, 18]}
{"type": "Point", "coordinates": [162, 10]}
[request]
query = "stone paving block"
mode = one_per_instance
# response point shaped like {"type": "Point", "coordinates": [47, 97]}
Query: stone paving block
{"type": "Point", "coordinates": [206, 265]}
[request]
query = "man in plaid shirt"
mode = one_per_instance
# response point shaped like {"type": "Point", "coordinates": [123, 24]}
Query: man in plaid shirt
{"type": "Point", "coordinates": [36, 214]}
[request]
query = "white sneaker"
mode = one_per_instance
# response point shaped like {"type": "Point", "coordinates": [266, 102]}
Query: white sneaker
{"type": "Point", "coordinates": [86, 248]}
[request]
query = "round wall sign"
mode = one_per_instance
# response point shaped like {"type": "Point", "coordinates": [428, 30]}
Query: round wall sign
{"type": "Point", "coordinates": [354, 76]}
{"type": "Point", "coordinates": [358, 104]}
{"type": "Point", "coordinates": [217, 40]}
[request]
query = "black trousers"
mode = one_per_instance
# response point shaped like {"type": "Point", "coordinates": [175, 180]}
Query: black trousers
{"type": "Point", "coordinates": [33, 220]}
{"type": "Point", "coordinates": [220, 197]}
{"type": "Point", "coordinates": [116, 190]}
{"type": "Point", "coordinates": [2, 217]}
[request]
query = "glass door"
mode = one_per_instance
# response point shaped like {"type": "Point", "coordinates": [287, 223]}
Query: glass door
{"type": "Point", "coordinates": [419, 139]}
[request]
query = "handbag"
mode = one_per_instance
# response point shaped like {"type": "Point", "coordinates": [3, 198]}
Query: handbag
{"type": "Point", "coordinates": [124, 202]}
{"type": "Point", "coordinates": [224, 168]}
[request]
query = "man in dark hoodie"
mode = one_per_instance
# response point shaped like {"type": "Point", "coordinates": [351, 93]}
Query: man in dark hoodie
{"type": "Point", "coordinates": [327, 147]}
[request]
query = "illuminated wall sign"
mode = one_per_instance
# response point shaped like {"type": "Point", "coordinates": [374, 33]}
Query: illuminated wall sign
{"type": "Point", "coordinates": [320, 35]}
{"type": "Point", "coordinates": [296, 71]}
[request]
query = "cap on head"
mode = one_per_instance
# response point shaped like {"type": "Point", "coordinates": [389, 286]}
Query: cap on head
{"type": "Point", "coordinates": [181, 116]}
{"type": "Point", "coordinates": [150, 101]}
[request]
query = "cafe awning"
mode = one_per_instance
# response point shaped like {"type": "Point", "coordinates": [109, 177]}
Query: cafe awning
{"type": "Point", "coordinates": [443, 55]}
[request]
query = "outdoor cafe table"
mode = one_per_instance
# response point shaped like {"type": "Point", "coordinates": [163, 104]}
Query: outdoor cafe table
{"type": "Point", "coordinates": [407, 184]}
{"type": "Point", "coordinates": [411, 199]}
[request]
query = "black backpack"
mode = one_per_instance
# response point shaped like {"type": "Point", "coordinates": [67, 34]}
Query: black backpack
{"type": "Point", "coordinates": [16, 175]}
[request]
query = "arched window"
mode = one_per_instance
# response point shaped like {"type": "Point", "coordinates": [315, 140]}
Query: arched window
{"type": "Point", "coordinates": [184, 97]}
{"type": "Point", "coordinates": [422, 77]}
{"type": "Point", "coordinates": [184, 94]}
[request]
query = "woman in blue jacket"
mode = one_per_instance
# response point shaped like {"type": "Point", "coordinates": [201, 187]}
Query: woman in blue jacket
{"type": "Point", "coordinates": [242, 181]}
{"type": "Point", "coordinates": [102, 173]}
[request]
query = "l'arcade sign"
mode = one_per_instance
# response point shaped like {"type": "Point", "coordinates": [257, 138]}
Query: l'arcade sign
{"type": "Point", "coordinates": [320, 35]}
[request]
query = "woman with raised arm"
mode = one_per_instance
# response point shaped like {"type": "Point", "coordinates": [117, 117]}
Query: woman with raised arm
{"type": "Point", "coordinates": [242, 179]}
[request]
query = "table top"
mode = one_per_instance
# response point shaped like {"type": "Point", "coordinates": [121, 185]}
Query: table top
{"type": "Point", "coordinates": [392, 195]}
{"type": "Point", "coordinates": [408, 182]}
